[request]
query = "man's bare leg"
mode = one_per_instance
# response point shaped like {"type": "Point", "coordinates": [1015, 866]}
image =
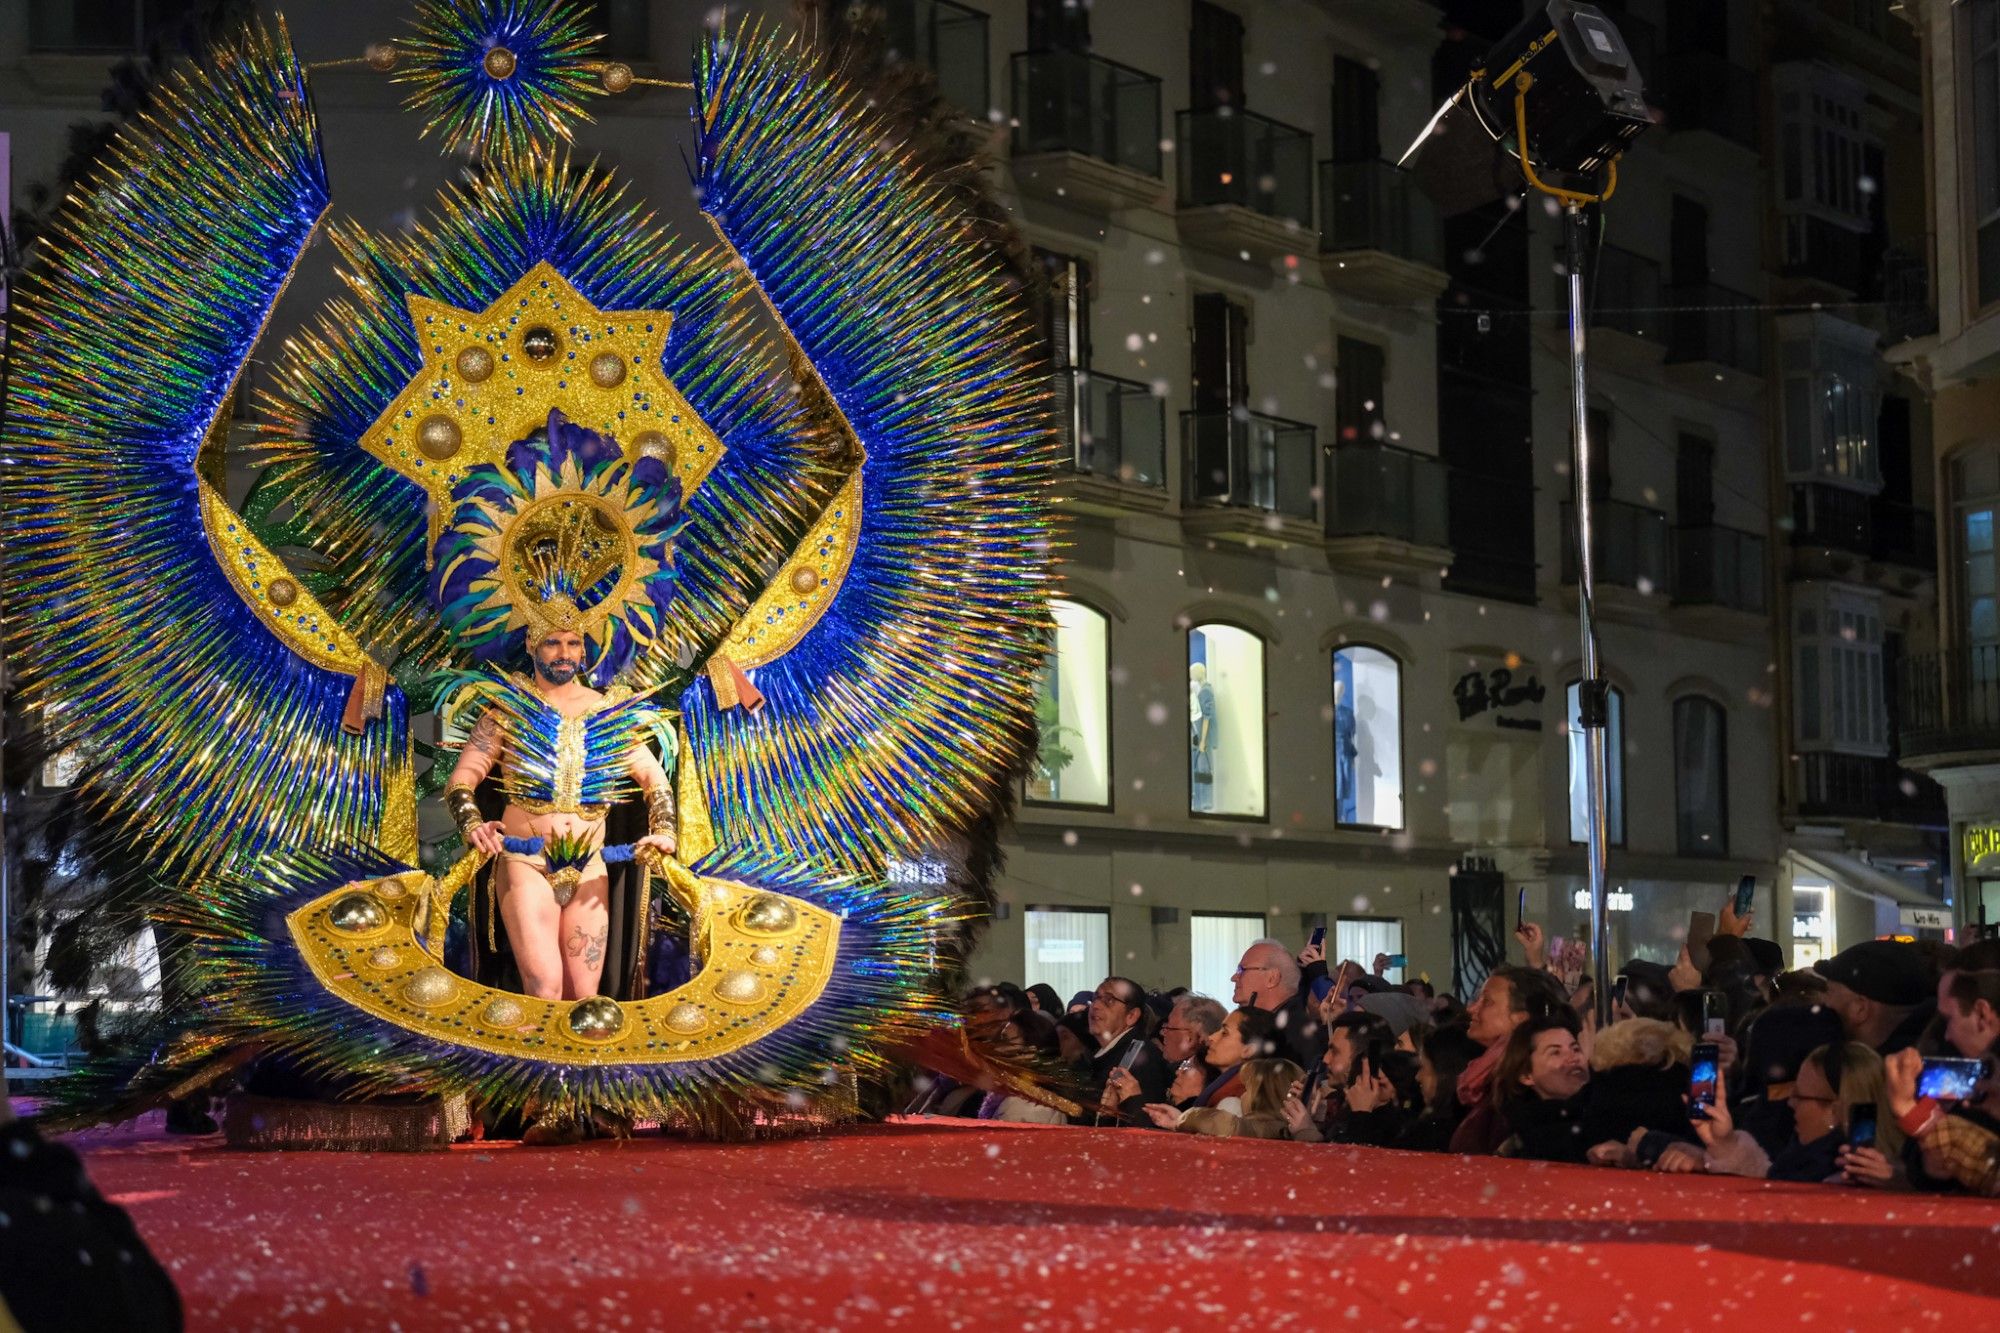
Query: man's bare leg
{"type": "Point", "coordinates": [528, 906]}
{"type": "Point", "coordinates": [586, 924]}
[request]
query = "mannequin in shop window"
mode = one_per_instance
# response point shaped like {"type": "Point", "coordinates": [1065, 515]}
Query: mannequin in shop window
{"type": "Point", "coordinates": [1201, 737]}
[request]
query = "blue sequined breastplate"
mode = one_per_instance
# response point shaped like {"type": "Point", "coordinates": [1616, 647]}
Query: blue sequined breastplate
{"type": "Point", "coordinates": [552, 764]}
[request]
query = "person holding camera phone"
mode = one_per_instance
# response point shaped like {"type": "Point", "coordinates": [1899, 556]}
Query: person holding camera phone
{"type": "Point", "coordinates": [1839, 1087]}
{"type": "Point", "coordinates": [1954, 1141]}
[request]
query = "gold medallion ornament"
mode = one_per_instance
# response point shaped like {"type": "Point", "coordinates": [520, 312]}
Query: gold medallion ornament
{"type": "Point", "coordinates": [489, 377]}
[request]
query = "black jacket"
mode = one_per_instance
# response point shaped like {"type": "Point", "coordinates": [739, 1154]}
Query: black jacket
{"type": "Point", "coordinates": [1148, 1066]}
{"type": "Point", "coordinates": [1629, 1097]}
{"type": "Point", "coordinates": [1301, 1036]}
{"type": "Point", "coordinates": [1548, 1131]}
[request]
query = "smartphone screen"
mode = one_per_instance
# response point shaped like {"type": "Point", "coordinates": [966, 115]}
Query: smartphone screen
{"type": "Point", "coordinates": [1746, 889]}
{"type": "Point", "coordinates": [1521, 908]}
{"type": "Point", "coordinates": [1861, 1125]}
{"type": "Point", "coordinates": [1701, 929]}
{"type": "Point", "coordinates": [1319, 935]}
{"type": "Point", "coordinates": [1702, 1072]}
{"type": "Point", "coordinates": [1714, 1013]}
{"type": "Point", "coordinates": [1398, 960]}
{"type": "Point", "coordinates": [1948, 1079]}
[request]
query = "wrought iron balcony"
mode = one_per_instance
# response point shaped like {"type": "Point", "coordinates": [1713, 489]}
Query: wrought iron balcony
{"type": "Point", "coordinates": [1832, 516]}
{"type": "Point", "coordinates": [1704, 91]}
{"type": "Point", "coordinates": [1905, 535]}
{"type": "Point", "coordinates": [1950, 702]}
{"type": "Point", "coordinates": [1852, 786]}
{"type": "Point", "coordinates": [1632, 546]}
{"type": "Point", "coordinates": [1377, 206]}
{"type": "Point", "coordinates": [1908, 309]}
{"type": "Point", "coordinates": [1245, 460]}
{"type": "Point", "coordinates": [1116, 428]}
{"type": "Point", "coordinates": [1810, 247]}
{"type": "Point", "coordinates": [1718, 566]}
{"type": "Point", "coordinates": [948, 39]}
{"type": "Point", "coordinates": [1073, 102]}
{"type": "Point", "coordinates": [1380, 490]}
{"type": "Point", "coordinates": [1716, 325]}
{"type": "Point", "coordinates": [1627, 297]}
{"type": "Point", "coordinates": [1233, 157]}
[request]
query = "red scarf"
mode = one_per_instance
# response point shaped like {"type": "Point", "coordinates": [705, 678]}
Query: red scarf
{"type": "Point", "coordinates": [1477, 1081]}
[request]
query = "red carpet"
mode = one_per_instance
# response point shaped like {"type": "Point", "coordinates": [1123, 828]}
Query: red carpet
{"type": "Point", "coordinates": [956, 1225]}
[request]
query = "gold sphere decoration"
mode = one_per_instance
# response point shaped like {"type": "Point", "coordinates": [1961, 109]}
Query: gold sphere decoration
{"type": "Point", "coordinates": [357, 914]}
{"type": "Point", "coordinates": [598, 1018]}
{"type": "Point", "coordinates": [685, 1017]}
{"type": "Point", "coordinates": [431, 987]}
{"type": "Point", "coordinates": [475, 364]}
{"type": "Point", "coordinates": [652, 444]}
{"type": "Point", "coordinates": [540, 343]}
{"type": "Point", "coordinates": [381, 57]}
{"type": "Point", "coordinates": [616, 76]}
{"type": "Point", "coordinates": [438, 437]}
{"type": "Point", "coordinates": [387, 889]}
{"type": "Point", "coordinates": [805, 580]}
{"type": "Point", "coordinates": [384, 958]}
{"type": "Point", "coordinates": [503, 1011]}
{"type": "Point", "coordinates": [739, 986]}
{"type": "Point", "coordinates": [607, 370]}
{"type": "Point", "coordinates": [283, 592]}
{"type": "Point", "coordinates": [768, 914]}
{"type": "Point", "coordinates": [499, 63]}
{"type": "Point", "coordinates": [765, 956]}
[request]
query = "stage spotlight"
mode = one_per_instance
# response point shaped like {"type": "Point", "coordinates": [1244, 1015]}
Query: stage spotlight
{"type": "Point", "coordinates": [1563, 83]}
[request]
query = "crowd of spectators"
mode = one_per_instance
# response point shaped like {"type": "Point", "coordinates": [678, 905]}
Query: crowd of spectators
{"type": "Point", "coordinates": [1724, 1063]}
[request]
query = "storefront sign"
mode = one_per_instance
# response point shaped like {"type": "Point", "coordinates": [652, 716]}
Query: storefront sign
{"type": "Point", "coordinates": [1059, 951]}
{"type": "Point", "coordinates": [1927, 918]}
{"type": "Point", "coordinates": [1980, 849]}
{"type": "Point", "coordinates": [1508, 694]}
{"type": "Point", "coordinates": [1615, 900]}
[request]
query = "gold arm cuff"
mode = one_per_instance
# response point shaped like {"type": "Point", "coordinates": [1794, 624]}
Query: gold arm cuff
{"type": "Point", "coordinates": [660, 816]}
{"type": "Point", "coordinates": [463, 808]}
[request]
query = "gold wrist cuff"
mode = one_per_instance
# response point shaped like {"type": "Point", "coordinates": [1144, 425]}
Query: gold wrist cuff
{"type": "Point", "coordinates": [463, 808]}
{"type": "Point", "coordinates": [660, 816]}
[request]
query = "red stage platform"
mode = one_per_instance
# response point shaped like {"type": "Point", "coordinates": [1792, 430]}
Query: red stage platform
{"type": "Point", "coordinates": [946, 1224]}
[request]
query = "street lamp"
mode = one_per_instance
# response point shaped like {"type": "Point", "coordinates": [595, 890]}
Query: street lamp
{"type": "Point", "coordinates": [1554, 104]}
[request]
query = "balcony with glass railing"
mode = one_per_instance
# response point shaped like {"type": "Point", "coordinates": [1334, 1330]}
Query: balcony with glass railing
{"type": "Point", "coordinates": [1380, 236]}
{"type": "Point", "coordinates": [1632, 550]}
{"type": "Point", "coordinates": [1115, 428]}
{"type": "Point", "coordinates": [1719, 567]}
{"type": "Point", "coordinates": [1382, 491]}
{"type": "Point", "coordinates": [1086, 130]}
{"type": "Point", "coordinates": [948, 39]}
{"type": "Point", "coordinates": [1252, 464]}
{"type": "Point", "coordinates": [1245, 183]}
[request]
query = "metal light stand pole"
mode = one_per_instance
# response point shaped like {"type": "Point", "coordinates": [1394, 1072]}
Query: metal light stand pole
{"type": "Point", "coordinates": [1591, 696]}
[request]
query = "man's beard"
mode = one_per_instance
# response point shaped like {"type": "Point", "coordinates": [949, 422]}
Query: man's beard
{"type": "Point", "coordinates": [559, 672]}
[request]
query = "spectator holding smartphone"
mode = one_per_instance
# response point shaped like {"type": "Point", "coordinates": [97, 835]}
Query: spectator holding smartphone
{"type": "Point", "coordinates": [1247, 1034]}
{"type": "Point", "coordinates": [1832, 1081]}
{"type": "Point", "coordinates": [1956, 1146]}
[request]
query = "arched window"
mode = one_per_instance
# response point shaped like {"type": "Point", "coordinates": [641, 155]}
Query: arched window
{"type": "Point", "coordinates": [1073, 710]}
{"type": "Point", "coordinates": [1368, 738]}
{"type": "Point", "coordinates": [1701, 776]}
{"type": "Point", "coordinates": [1614, 770]}
{"type": "Point", "coordinates": [1225, 722]}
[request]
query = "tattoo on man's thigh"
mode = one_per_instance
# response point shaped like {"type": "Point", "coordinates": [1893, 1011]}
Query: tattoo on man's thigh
{"type": "Point", "coordinates": [585, 945]}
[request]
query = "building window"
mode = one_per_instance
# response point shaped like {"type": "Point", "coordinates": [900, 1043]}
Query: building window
{"type": "Point", "coordinates": [1701, 769]}
{"type": "Point", "coordinates": [1368, 738]}
{"type": "Point", "coordinates": [1069, 948]}
{"type": "Point", "coordinates": [1812, 922]}
{"type": "Point", "coordinates": [1823, 144]}
{"type": "Point", "coordinates": [1614, 770]}
{"type": "Point", "coordinates": [1073, 711]}
{"type": "Point", "coordinates": [1841, 706]}
{"type": "Point", "coordinates": [1982, 25]}
{"type": "Point", "coordinates": [1360, 938]}
{"type": "Point", "coordinates": [1360, 374]}
{"type": "Point", "coordinates": [1975, 487]}
{"type": "Point", "coordinates": [1225, 721]}
{"type": "Point", "coordinates": [1832, 401]}
{"type": "Point", "coordinates": [1218, 943]}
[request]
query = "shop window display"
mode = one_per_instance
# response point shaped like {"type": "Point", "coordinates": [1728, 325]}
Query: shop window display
{"type": "Point", "coordinates": [1072, 708]}
{"type": "Point", "coordinates": [1368, 738]}
{"type": "Point", "coordinates": [1225, 722]}
{"type": "Point", "coordinates": [1614, 772]}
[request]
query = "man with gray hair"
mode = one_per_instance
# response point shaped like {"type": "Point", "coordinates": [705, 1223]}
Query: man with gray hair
{"type": "Point", "coordinates": [1268, 979]}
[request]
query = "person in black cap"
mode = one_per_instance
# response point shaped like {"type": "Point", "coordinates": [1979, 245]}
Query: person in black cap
{"type": "Point", "coordinates": [1882, 991]}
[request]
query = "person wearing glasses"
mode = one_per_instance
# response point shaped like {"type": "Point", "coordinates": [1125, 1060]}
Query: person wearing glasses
{"type": "Point", "coordinates": [1126, 1070]}
{"type": "Point", "coordinates": [1269, 978]}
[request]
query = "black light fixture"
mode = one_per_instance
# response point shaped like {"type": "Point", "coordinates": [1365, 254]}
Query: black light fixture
{"type": "Point", "coordinates": [1563, 83]}
{"type": "Point", "coordinates": [1551, 107]}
